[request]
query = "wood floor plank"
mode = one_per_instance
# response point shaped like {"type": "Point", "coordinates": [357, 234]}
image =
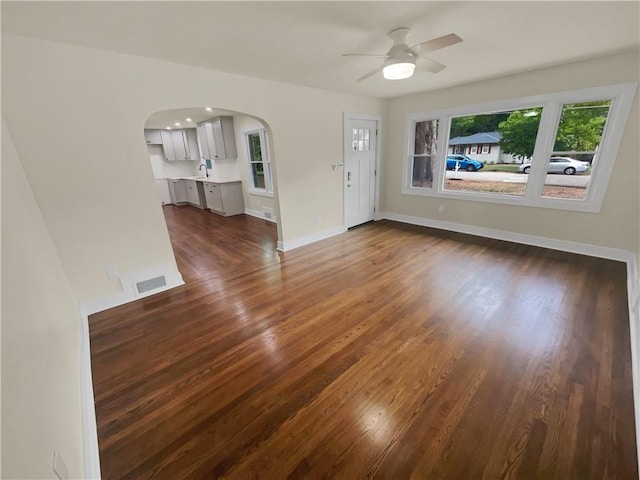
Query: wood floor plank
{"type": "Point", "coordinates": [390, 351]}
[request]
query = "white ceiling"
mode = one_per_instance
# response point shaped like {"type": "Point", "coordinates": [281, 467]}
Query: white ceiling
{"type": "Point", "coordinates": [302, 42]}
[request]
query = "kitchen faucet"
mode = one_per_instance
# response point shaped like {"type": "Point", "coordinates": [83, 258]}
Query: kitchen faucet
{"type": "Point", "coordinates": [205, 169]}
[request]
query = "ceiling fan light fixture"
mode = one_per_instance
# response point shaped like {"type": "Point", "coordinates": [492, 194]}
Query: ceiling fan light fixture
{"type": "Point", "coordinates": [399, 70]}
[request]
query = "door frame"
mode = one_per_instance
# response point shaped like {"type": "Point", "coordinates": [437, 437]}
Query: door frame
{"type": "Point", "coordinates": [346, 145]}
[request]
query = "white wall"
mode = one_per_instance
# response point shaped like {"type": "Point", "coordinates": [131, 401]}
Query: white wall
{"type": "Point", "coordinates": [40, 351]}
{"type": "Point", "coordinates": [617, 224]}
{"type": "Point", "coordinates": [169, 169]}
{"type": "Point", "coordinates": [101, 205]}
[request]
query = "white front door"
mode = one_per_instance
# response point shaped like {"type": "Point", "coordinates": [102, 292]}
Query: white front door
{"type": "Point", "coordinates": [359, 171]}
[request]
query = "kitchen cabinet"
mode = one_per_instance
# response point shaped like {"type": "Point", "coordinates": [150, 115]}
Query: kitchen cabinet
{"type": "Point", "coordinates": [205, 139]}
{"type": "Point", "coordinates": [217, 139]}
{"type": "Point", "coordinates": [153, 137]}
{"type": "Point", "coordinates": [193, 197]}
{"type": "Point", "coordinates": [180, 144]}
{"type": "Point", "coordinates": [163, 191]}
{"type": "Point", "coordinates": [178, 191]}
{"type": "Point", "coordinates": [224, 198]}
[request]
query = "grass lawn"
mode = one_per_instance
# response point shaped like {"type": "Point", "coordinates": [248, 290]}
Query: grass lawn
{"type": "Point", "coordinates": [502, 167]}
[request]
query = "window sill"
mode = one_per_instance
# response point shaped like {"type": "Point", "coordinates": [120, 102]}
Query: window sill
{"type": "Point", "coordinates": [260, 193]}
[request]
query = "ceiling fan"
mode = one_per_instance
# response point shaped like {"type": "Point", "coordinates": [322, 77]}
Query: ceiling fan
{"type": "Point", "coordinates": [400, 61]}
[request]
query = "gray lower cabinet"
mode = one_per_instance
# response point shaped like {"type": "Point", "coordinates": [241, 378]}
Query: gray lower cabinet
{"type": "Point", "coordinates": [178, 191]}
{"type": "Point", "coordinates": [224, 198]}
{"type": "Point", "coordinates": [195, 193]}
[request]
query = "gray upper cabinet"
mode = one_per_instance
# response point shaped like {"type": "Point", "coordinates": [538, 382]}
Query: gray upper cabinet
{"type": "Point", "coordinates": [202, 140]}
{"type": "Point", "coordinates": [217, 139]}
{"type": "Point", "coordinates": [153, 137]}
{"type": "Point", "coordinates": [180, 144]}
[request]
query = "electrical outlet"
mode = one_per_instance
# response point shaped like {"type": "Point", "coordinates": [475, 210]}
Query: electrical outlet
{"type": "Point", "coordinates": [112, 271]}
{"type": "Point", "coordinates": [441, 209]}
{"type": "Point", "coordinates": [59, 467]}
{"type": "Point", "coordinates": [318, 219]}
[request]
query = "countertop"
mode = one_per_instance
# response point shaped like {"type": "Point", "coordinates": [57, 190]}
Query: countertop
{"type": "Point", "coordinates": [210, 178]}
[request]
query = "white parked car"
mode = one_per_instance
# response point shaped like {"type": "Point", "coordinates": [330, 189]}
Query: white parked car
{"type": "Point", "coordinates": [565, 165]}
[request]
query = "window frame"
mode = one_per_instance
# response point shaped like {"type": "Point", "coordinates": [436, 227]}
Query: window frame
{"type": "Point", "coordinates": [266, 163]}
{"type": "Point", "coordinates": [621, 96]}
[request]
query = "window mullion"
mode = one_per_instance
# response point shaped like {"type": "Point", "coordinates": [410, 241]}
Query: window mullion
{"type": "Point", "coordinates": [542, 150]}
{"type": "Point", "coordinates": [442, 151]}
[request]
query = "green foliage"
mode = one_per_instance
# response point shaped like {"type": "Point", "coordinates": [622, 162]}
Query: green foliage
{"type": "Point", "coordinates": [254, 145]}
{"type": "Point", "coordinates": [581, 126]}
{"type": "Point", "coordinates": [580, 129]}
{"type": "Point", "coordinates": [519, 132]}
{"type": "Point", "coordinates": [464, 126]}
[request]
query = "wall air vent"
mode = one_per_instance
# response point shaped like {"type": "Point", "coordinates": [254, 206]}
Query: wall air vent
{"type": "Point", "coordinates": [151, 284]}
{"type": "Point", "coordinates": [267, 212]}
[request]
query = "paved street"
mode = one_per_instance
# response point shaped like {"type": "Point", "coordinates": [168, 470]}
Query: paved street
{"type": "Point", "coordinates": [555, 179]}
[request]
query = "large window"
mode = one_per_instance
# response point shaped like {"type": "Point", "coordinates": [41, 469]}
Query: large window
{"type": "Point", "coordinates": [554, 150]}
{"type": "Point", "coordinates": [259, 165]}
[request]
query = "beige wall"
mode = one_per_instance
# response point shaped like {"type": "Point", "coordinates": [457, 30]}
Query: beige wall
{"type": "Point", "coordinates": [40, 349]}
{"type": "Point", "coordinates": [101, 205]}
{"type": "Point", "coordinates": [616, 226]}
{"type": "Point", "coordinates": [242, 124]}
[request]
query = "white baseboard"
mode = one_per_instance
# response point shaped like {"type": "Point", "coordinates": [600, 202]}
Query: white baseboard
{"type": "Point", "coordinates": [259, 214]}
{"type": "Point", "coordinates": [562, 245]}
{"type": "Point", "coordinates": [173, 279]}
{"type": "Point", "coordinates": [316, 237]}
{"type": "Point", "coordinates": [90, 450]}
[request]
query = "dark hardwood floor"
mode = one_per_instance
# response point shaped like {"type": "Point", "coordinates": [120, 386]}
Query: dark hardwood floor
{"type": "Point", "coordinates": [390, 351]}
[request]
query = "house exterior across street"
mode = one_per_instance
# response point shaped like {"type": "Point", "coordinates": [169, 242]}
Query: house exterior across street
{"type": "Point", "coordinates": [484, 147]}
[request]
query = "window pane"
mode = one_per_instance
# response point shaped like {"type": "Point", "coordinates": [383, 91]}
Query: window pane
{"type": "Point", "coordinates": [507, 138]}
{"type": "Point", "coordinates": [255, 149]}
{"type": "Point", "coordinates": [424, 153]}
{"type": "Point", "coordinates": [577, 141]}
{"type": "Point", "coordinates": [257, 170]}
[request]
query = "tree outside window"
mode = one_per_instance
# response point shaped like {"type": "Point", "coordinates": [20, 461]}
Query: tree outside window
{"type": "Point", "coordinates": [259, 165]}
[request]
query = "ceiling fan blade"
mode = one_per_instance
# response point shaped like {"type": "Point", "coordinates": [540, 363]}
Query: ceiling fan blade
{"type": "Point", "coordinates": [362, 55]}
{"type": "Point", "coordinates": [371, 73]}
{"type": "Point", "coordinates": [436, 43]}
{"type": "Point", "coordinates": [430, 65]}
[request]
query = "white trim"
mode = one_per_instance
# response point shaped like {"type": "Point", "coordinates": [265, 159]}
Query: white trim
{"type": "Point", "coordinates": [621, 96]}
{"type": "Point", "coordinates": [260, 192]}
{"type": "Point", "coordinates": [128, 294]}
{"type": "Point", "coordinates": [90, 450]}
{"type": "Point", "coordinates": [346, 141]}
{"type": "Point", "coordinates": [315, 237]}
{"type": "Point", "coordinates": [562, 245]}
{"type": "Point", "coordinates": [260, 215]}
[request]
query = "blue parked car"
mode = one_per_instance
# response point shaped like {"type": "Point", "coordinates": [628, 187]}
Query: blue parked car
{"type": "Point", "coordinates": [464, 163]}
